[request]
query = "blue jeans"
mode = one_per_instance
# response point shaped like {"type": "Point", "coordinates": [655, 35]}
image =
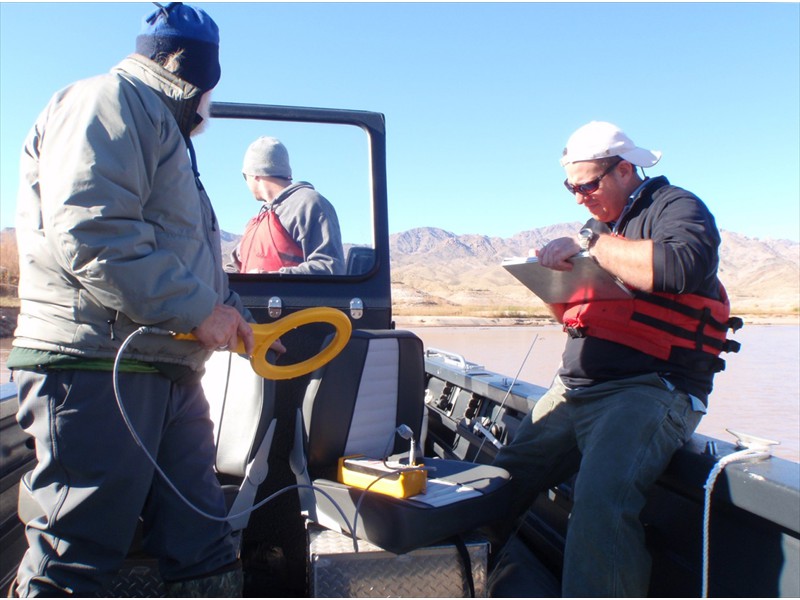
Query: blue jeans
{"type": "Point", "coordinates": [619, 437]}
{"type": "Point", "coordinates": [93, 482]}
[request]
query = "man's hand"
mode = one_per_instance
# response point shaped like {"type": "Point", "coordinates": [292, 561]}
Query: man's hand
{"type": "Point", "coordinates": [629, 260]}
{"type": "Point", "coordinates": [278, 347]}
{"type": "Point", "coordinates": [223, 328]}
{"type": "Point", "coordinates": [555, 254]}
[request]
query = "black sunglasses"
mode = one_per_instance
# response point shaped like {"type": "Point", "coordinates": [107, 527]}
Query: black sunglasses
{"type": "Point", "coordinates": [591, 186]}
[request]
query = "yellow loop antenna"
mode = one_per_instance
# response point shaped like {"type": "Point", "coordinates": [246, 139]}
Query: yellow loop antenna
{"type": "Point", "coordinates": [266, 333]}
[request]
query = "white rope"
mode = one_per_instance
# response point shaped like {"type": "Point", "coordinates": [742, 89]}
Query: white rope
{"type": "Point", "coordinates": [741, 455]}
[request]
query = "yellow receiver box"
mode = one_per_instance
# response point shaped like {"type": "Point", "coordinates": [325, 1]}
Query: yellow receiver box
{"type": "Point", "coordinates": [399, 481]}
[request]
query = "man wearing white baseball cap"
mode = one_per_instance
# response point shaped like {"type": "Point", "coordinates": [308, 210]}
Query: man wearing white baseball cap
{"type": "Point", "coordinates": [636, 373]}
{"type": "Point", "coordinates": [599, 139]}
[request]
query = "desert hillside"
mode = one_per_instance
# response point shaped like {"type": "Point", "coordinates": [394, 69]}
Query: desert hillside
{"type": "Point", "coordinates": [438, 271]}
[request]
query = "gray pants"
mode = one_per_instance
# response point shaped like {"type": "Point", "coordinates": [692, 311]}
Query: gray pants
{"type": "Point", "coordinates": [619, 437]}
{"type": "Point", "coordinates": [93, 482]}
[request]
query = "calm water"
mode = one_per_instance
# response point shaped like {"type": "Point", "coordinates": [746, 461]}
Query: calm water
{"type": "Point", "coordinates": [758, 393]}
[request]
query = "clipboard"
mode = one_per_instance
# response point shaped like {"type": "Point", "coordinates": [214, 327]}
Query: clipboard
{"type": "Point", "coordinates": [586, 281]}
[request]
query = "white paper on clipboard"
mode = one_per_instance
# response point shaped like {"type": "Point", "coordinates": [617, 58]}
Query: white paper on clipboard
{"type": "Point", "coordinates": [586, 281]}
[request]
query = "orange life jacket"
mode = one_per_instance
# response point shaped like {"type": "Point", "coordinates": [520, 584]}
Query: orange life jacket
{"type": "Point", "coordinates": [267, 246]}
{"type": "Point", "coordinates": [658, 322]}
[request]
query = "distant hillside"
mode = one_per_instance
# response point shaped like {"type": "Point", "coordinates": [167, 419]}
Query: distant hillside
{"type": "Point", "coordinates": [437, 270]}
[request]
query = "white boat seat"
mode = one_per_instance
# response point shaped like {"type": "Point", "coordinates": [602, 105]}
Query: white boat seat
{"type": "Point", "coordinates": [354, 405]}
{"type": "Point", "coordinates": [242, 406]}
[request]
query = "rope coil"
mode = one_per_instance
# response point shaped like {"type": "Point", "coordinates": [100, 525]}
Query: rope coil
{"type": "Point", "coordinates": [753, 450]}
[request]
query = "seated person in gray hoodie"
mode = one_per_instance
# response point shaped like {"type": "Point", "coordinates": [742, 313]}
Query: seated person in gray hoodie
{"type": "Point", "coordinates": [296, 230]}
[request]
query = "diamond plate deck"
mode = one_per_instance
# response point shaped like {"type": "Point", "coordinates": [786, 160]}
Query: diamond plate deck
{"type": "Point", "coordinates": [336, 570]}
{"type": "Point", "coordinates": [136, 579]}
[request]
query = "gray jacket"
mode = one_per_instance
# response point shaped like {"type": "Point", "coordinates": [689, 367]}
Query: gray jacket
{"type": "Point", "coordinates": [311, 220]}
{"type": "Point", "coordinates": [114, 229]}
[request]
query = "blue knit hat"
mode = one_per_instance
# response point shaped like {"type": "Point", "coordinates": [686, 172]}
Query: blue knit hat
{"type": "Point", "coordinates": [176, 26]}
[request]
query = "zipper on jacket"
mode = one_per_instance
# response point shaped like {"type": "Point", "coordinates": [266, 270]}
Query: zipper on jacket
{"type": "Point", "coordinates": [111, 333]}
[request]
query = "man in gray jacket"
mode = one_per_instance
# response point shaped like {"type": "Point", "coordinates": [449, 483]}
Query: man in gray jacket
{"type": "Point", "coordinates": [116, 232]}
{"type": "Point", "coordinates": [297, 229]}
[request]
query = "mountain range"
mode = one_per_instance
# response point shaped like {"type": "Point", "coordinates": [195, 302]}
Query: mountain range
{"type": "Point", "coordinates": [438, 270]}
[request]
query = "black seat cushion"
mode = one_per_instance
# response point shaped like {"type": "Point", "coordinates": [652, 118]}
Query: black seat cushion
{"type": "Point", "coordinates": [401, 525]}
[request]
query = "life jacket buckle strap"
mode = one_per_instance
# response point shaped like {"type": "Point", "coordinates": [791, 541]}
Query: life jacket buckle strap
{"type": "Point", "coordinates": [735, 324]}
{"type": "Point", "coordinates": [574, 331]}
{"type": "Point", "coordinates": [731, 346]}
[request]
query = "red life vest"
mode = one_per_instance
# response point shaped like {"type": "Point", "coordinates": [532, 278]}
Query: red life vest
{"type": "Point", "coordinates": [658, 322]}
{"type": "Point", "coordinates": [267, 246]}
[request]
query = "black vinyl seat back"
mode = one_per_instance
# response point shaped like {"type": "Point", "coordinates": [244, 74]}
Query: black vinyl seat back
{"type": "Point", "coordinates": [242, 407]}
{"type": "Point", "coordinates": [354, 405]}
{"type": "Point", "coordinates": [360, 260]}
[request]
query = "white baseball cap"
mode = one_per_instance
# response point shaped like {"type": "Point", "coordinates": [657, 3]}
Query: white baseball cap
{"type": "Point", "coordinates": [600, 139]}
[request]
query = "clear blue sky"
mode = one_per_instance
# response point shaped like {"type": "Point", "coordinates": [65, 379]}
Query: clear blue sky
{"type": "Point", "coordinates": [479, 98]}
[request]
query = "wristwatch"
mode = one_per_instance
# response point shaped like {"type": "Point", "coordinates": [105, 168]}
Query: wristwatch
{"type": "Point", "coordinates": [586, 238]}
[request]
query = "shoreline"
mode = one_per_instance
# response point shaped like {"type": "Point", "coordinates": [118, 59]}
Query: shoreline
{"type": "Point", "coordinates": [8, 318]}
{"type": "Point", "coordinates": [403, 322]}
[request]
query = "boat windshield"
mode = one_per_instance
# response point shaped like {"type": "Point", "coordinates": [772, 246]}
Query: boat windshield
{"type": "Point", "coordinates": [333, 158]}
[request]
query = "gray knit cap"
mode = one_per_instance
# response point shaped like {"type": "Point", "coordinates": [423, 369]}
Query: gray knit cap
{"type": "Point", "coordinates": [267, 157]}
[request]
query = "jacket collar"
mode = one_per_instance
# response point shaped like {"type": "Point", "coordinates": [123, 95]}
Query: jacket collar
{"type": "Point", "coordinates": [288, 192]}
{"type": "Point", "coordinates": [181, 97]}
